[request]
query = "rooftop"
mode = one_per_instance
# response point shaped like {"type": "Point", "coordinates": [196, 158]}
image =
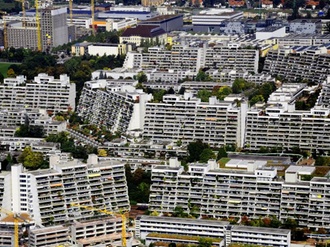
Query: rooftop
{"type": "Point", "coordinates": [145, 31]}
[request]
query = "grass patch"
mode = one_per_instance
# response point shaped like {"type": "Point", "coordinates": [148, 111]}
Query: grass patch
{"type": "Point", "coordinates": [3, 68]}
{"type": "Point", "coordinates": [223, 162]}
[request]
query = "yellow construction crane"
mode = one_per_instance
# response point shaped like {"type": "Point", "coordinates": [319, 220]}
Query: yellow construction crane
{"type": "Point", "coordinates": [93, 17]}
{"type": "Point", "coordinates": [39, 44]}
{"type": "Point", "coordinates": [23, 11]}
{"type": "Point", "coordinates": [16, 219]}
{"type": "Point", "coordinates": [5, 38]}
{"type": "Point", "coordinates": [104, 211]}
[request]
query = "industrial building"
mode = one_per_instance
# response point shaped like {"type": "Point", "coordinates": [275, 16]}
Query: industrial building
{"type": "Point", "coordinates": [166, 22]}
{"type": "Point", "coordinates": [210, 20]}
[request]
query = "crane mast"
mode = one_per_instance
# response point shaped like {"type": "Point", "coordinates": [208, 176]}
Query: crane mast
{"type": "Point", "coordinates": [39, 44]}
{"type": "Point", "coordinates": [93, 17]}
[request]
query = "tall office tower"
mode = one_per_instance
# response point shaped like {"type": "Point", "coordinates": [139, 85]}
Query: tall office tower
{"type": "Point", "coordinates": [54, 28]}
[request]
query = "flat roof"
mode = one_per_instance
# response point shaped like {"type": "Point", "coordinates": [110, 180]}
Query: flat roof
{"type": "Point", "coordinates": [177, 220]}
{"type": "Point", "coordinates": [162, 18]}
{"type": "Point", "coordinates": [261, 230]}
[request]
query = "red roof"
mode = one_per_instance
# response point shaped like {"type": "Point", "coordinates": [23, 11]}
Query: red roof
{"type": "Point", "coordinates": [236, 3]}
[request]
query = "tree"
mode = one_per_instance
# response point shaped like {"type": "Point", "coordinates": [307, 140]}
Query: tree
{"type": "Point", "coordinates": [202, 76]}
{"type": "Point", "coordinates": [204, 242]}
{"type": "Point", "coordinates": [223, 92]}
{"type": "Point", "coordinates": [204, 95]}
{"type": "Point", "coordinates": [31, 160]}
{"type": "Point", "coordinates": [195, 149]}
{"type": "Point", "coordinates": [142, 77]}
{"type": "Point", "coordinates": [238, 85]}
{"type": "Point", "coordinates": [206, 155]}
{"type": "Point", "coordinates": [256, 99]}
{"type": "Point", "coordinates": [222, 153]}
{"type": "Point", "coordinates": [102, 153]}
{"type": "Point", "coordinates": [11, 73]}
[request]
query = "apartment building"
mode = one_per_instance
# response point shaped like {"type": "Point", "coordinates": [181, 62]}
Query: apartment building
{"type": "Point", "coordinates": [324, 96]}
{"type": "Point", "coordinates": [273, 127]}
{"type": "Point", "coordinates": [127, 105]}
{"type": "Point", "coordinates": [197, 54]}
{"type": "Point", "coordinates": [180, 57]}
{"type": "Point", "coordinates": [44, 92]}
{"type": "Point", "coordinates": [188, 119]}
{"type": "Point", "coordinates": [147, 228]}
{"type": "Point", "coordinates": [300, 62]}
{"type": "Point", "coordinates": [233, 56]}
{"type": "Point", "coordinates": [47, 195]}
{"type": "Point", "coordinates": [253, 188]}
{"type": "Point", "coordinates": [19, 143]}
{"type": "Point", "coordinates": [104, 230]}
{"type": "Point", "coordinates": [304, 40]}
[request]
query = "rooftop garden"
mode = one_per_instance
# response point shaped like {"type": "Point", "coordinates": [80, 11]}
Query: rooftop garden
{"type": "Point", "coordinates": [183, 237]}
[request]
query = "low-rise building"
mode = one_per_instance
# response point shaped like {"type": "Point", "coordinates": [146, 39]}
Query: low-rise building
{"type": "Point", "coordinates": [144, 34]}
{"type": "Point", "coordinates": [209, 21]}
{"type": "Point", "coordinates": [306, 26]}
{"type": "Point", "coordinates": [119, 24]}
{"type": "Point", "coordinates": [164, 229]}
{"type": "Point", "coordinates": [166, 22]}
{"type": "Point", "coordinates": [100, 49]}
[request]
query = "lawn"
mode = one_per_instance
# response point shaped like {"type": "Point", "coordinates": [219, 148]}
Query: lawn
{"type": "Point", "coordinates": [3, 68]}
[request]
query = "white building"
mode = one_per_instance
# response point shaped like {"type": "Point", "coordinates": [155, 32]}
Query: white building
{"type": "Point", "coordinates": [248, 187]}
{"type": "Point", "coordinates": [45, 92]}
{"type": "Point", "coordinates": [127, 109]}
{"type": "Point", "coordinates": [47, 195]}
{"type": "Point", "coordinates": [271, 32]}
{"type": "Point", "coordinates": [153, 228]}
{"type": "Point", "coordinates": [188, 119]}
{"type": "Point", "coordinates": [119, 24]}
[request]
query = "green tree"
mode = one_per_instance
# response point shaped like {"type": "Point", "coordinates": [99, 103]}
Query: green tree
{"type": "Point", "coordinates": [256, 99]}
{"type": "Point", "coordinates": [239, 85]}
{"type": "Point", "coordinates": [202, 76]}
{"type": "Point", "coordinates": [142, 77]}
{"type": "Point", "coordinates": [31, 160]}
{"type": "Point", "coordinates": [222, 153]}
{"type": "Point", "coordinates": [206, 155]}
{"type": "Point", "coordinates": [195, 149]}
{"type": "Point", "coordinates": [223, 92]}
{"type": "Point", "coordinates": [204, 242]}
{"type": "Point", "coordinates": [204, 95]}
